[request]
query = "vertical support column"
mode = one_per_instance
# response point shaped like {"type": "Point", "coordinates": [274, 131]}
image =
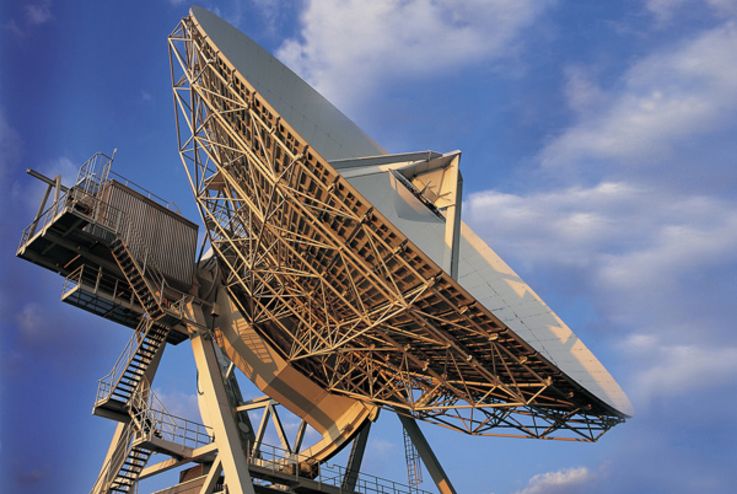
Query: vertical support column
{"type": "Point", "coordinates": [57, 193]}
{"type": "Point", "coordinates": [353, 468]}
{"type": "Point", "coordinates": [217, 412]}
{"type": "Point", "coordinates": [426, 453]}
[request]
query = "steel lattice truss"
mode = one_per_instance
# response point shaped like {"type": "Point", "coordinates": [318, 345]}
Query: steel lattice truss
{"type": "Point", "coordinates": [340, 291]}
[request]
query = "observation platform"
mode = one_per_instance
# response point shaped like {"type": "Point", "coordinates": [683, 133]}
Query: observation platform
{"type": "Point", "coordinates": [76, 231]}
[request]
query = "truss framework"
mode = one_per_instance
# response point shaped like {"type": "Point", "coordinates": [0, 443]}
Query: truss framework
{"type": "Point", "coordinates": [336, 288]}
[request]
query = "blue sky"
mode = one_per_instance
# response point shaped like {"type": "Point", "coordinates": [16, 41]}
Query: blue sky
{"type": "Point", "coordinates": [599, 150]}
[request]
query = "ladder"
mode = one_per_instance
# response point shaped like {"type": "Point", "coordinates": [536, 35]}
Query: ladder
{"type": "Point", "coordinates": [414, 464]}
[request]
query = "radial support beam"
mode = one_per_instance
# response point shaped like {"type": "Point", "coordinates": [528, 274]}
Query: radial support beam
{"type": "Point", "coordinates": [217, 412]}
{"type": "Point", "coordinates": [428, 456]}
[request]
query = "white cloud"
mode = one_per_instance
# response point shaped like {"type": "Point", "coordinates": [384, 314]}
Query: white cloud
{"type": "Point", "coordinates": [582, 93]}
{"type": "Point", "coordinates": [180, 404]}
{"type": "Point", "coordinates": [562, 481]}
{"type": "Point", "coordinates": [665, 11]}
{"type": "Point", "coordinates": [723, 7]}
{"type": "Point", "coordinates": [10, 147]}
{"type": "Point", "coordinates": [30, 320]}
{"type": "Point", "coordinates": [613, 226]}
{"type": "Point", "coordinates": [674, 370]}
{"type": "Point", "coordinates": [27, 191]}
{"type": "Point", "coordinates": [663, 102]}
{"type": "Point", "coordinates": [642, 255]}
{"type": "Point", "coordinates": [38, 13]}
{"type": "Point", "coordinates": [650, 245]}
{"type": "Point", "coordinates": [347, 49]}
{"type": "Point", "coordinates": [382, 446]}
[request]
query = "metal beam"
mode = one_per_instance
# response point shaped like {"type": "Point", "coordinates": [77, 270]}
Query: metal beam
{"type": "Point", "coordinates": [428, 456]}
{"type": "Point", "coordinates": [208, 487]}
{"type": "Point", "coordinates": [44, 178]}
{"type": "Point", "coordinates": [217, 411]}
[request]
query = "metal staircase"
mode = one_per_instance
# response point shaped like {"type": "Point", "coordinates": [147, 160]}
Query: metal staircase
{"type": "Point", "coordinates": [150, 429]}
{"type": "Point", "coordinates": [127, 476]}
{"type": "Point", "coordinates": [124, 465]}
{"type": "Point", "coordinates": [147, 285]}
{"type": "Point", "coordinates": [114, 390]}
{"type": "Point", "coordinates": [149, 297]}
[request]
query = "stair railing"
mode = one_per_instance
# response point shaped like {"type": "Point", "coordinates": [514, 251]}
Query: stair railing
{"type": "Point", "coordinates": [107, 383]}
{"type": "Point", "coordinates": [112, 466]}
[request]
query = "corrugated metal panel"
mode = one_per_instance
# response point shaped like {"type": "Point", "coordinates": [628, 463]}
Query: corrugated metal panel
{"type": "Point", "coordinates": [171, 239]}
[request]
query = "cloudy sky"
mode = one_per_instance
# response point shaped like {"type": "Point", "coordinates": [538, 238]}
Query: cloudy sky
{"type": "Point", "coordinates": [599, 148]}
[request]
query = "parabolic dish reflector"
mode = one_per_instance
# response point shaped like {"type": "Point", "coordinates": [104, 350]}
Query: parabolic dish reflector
{"type": "Point", "coordinates": [354, 264]}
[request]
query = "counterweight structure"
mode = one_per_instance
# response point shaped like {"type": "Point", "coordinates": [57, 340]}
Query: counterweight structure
{"type": "Point", "coordinates": [341, 281]}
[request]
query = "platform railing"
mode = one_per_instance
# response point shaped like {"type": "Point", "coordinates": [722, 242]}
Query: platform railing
{"type": "Point", "coordinates": [153, 420]}
{"type": "Point", "coordinates": [94, 172]}
{"type": "Point", "coordinates": [97, 279]}
{"type": "Point", "coordinates": [281, 461]}
{"type": "Point", "coordinates": [43, 219]}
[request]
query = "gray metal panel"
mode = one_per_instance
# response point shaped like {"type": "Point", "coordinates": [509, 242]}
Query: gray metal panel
{"type": "Point", "coordinates": [404, 210]}
{"type": "Point", "coordinates": [495, 285]}
{"type": "Point", "coordinates": [171, 239]}
{"type": "Point", "coordinates": [488, 278]}
{"type": "Point", "coordinates": [327, 130]}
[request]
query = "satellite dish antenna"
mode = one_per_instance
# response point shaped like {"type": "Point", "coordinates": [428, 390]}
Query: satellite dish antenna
{"type": "Point", "coordinates": [340, 280]}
